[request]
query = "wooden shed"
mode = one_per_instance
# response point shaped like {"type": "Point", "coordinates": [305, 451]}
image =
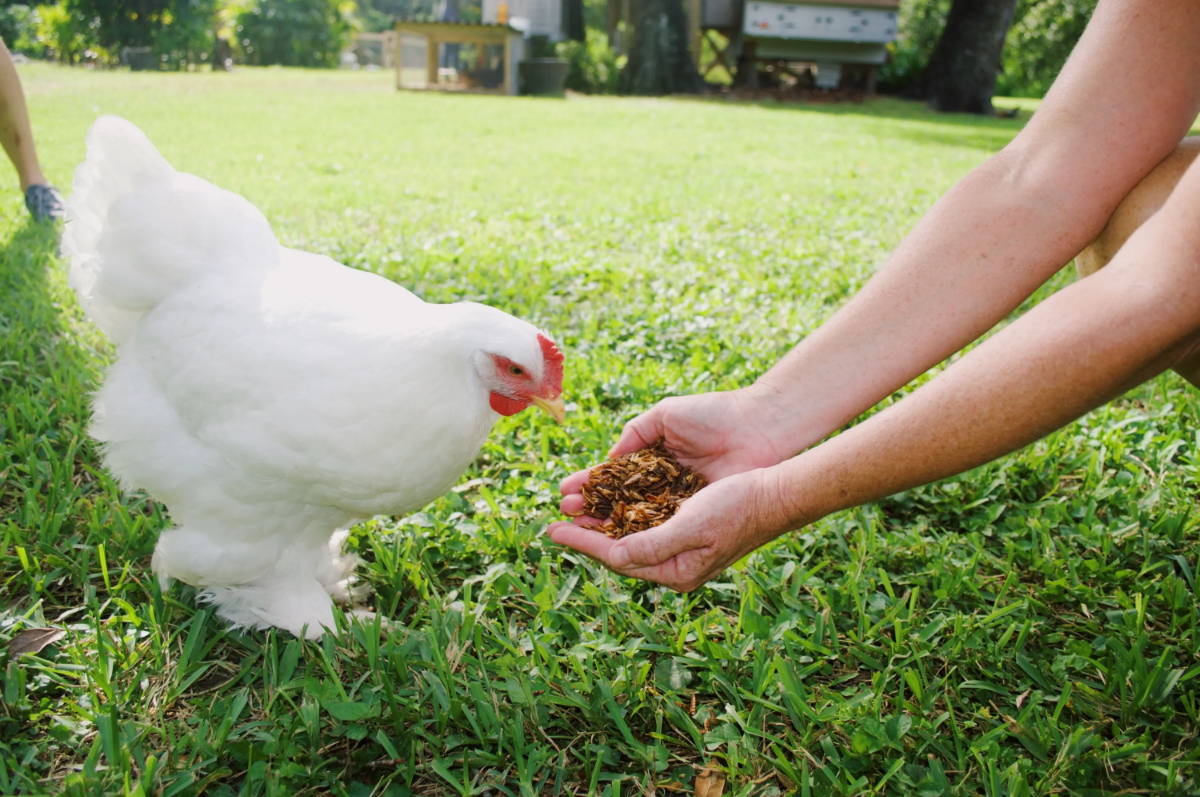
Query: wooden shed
{"type": "Point", "coordinates": [458, 56]}
{"type": "Point", "coordinates": [374, 49]}
{"type": "Point", "coordinates": [489, 55]}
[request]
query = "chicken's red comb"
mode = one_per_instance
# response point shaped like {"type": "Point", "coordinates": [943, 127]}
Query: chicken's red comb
{"type": "Point", "coordinates": [552, 374]}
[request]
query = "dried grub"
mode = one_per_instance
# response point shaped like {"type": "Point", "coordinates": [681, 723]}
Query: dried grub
{"type": "Point", "coordinates": [638, 491]}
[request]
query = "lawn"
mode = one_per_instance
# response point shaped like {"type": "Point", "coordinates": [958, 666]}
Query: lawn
{"type": "Point", "coordinates": [1027, 628]}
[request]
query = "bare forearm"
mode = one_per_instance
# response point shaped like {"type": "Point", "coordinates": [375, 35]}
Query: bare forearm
{"type": "Point", "coordinates": [978, 253]}
{"type": "Point", "coordinates": [984, 247]}
{"type": "Point", "coordinates": [1074, 351]}
{"type": "Point", "coordinates": [1009, 225]}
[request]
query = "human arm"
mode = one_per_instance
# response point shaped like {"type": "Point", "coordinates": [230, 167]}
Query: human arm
{"type": "Point", "coordinates": [1002, 231]}
{"type": "Point", "coordinates": [1009, 224]}
{"type": "Point", "coordinates": [984, 247]}
{"type": "Point", "coordinates": [1072, 352]}
{"type": "Point", "coordinates": [15, 134]}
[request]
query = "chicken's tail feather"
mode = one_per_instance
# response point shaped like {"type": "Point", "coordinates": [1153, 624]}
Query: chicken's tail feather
{"type": "Point", "coordinates": [137, 230]}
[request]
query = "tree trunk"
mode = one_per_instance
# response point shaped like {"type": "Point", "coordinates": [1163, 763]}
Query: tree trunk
{"type": "Point", "coordinates": [660, 61]}
{"type": "Point", "coordinates": [961, 74]}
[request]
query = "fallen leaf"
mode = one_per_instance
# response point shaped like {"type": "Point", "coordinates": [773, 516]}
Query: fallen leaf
{"type": "Point", "coordinates": [34, 640]}
{"type": "Point", "coordinates": [710, 783]}
{"type": "Point", "coordinates": [1021, 697]}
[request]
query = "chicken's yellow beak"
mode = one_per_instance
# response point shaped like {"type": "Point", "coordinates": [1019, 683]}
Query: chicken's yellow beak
{"type": "Point", "coordinates": [554, 407]}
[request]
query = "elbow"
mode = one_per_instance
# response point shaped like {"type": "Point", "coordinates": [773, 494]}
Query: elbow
{"type": "Point", "coordinates": [1072, 193]}
{"type": "Point", "coordinates": [1088, 185]}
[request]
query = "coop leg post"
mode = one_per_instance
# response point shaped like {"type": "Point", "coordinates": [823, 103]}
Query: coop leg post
{"type": "Point", "coordinates": [508, 67]}
{"type": "Point", "coordinates": [431, 62]}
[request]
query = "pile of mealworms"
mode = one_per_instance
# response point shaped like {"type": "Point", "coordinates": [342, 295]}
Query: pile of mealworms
{"type": "Point", "coordinates": [638, 491]}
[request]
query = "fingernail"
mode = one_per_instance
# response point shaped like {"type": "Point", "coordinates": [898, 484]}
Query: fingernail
{"type": "Point", "coordinates": [619, 556]}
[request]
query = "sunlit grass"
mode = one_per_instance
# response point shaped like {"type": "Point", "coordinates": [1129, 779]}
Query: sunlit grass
{"type": "Point", "coordinates": [1028, 628]}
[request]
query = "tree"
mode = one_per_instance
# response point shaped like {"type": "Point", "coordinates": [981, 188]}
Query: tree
{"type": "Point", "coordinates": [66, 36]}
{"type": "Point", "coordinates": [574, 23]}
{"type": "Point", "coordinates": [1042, 36]}
{"type": "Point", "coordinates": [186, 35]}
{"type": "Point", "coordinates": [294, 32]}
{"type": "Point", "coordinates": [660, 61]}
{"type": "Point", "coordinates": [178, 32]}
{"type": "Point", "coordinates": [961, 74]}
{"type": "Point", "coordinates": [379, 15]}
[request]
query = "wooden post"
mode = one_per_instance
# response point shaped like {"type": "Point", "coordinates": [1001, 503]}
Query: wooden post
{"type": "Point", "coordinates": [508, 66]}
{"type": "Point", "coordinates": [431, 61]}
{"type": "Point", "coordinates": [399, 54]}
{"type": "Point", "coordinates": [694, 31]}
{"type": "Point", "coordinates": [400, 60]}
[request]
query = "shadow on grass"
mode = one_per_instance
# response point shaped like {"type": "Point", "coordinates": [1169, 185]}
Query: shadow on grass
{"type": "Point", "coordinates": [38, 360]}
{"type": "Point", "coordinates": [48, 471]}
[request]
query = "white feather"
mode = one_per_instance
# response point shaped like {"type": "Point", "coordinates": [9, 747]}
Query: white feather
{"type": "Point", "coordinates": [269, 397]}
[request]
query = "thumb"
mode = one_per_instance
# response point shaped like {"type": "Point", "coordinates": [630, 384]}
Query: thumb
{"type": "Point", "coordinates": [642, 432]}
{"type": "Point", "coordinates": [654, 546]}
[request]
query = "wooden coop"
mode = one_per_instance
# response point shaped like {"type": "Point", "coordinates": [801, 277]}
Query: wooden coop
{"type": "Point", "coordinates": [485, 56]}
{"type": "Point", "coordinates": [833, 43]}
{"type": "Point", "coordinates": [374, 49]}
{"type": "Point", "coordinates": [457, 56]}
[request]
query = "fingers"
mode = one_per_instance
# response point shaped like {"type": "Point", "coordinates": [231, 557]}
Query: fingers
{"type": "Point", "coordinates": [592, 543]}
{"type": "Point", "coordinates": [638, 554]}
{"type": "Point", "coordinates": [643, 431]}
{"type": "Point", "coordinates": [572, 505]}
{"type": "Point", "coordinates": [653, 547]}
{"type": "Point", "coordinates": [572, 484]}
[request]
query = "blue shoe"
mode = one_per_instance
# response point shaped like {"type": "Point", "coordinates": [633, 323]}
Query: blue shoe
{"type": "Point", "coordinates": [44, 202]}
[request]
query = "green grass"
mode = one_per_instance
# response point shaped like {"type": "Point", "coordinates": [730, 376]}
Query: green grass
{"type": "Point", "coordinates": [1028, 628]}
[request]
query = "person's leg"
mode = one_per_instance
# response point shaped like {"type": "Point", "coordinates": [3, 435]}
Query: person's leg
{"type": "Point", "coordinates": [1140, 204]}
{"type": "Point", "coordinates": [41, 199]}
{"type": "Point", "coordinates": [15, 134]}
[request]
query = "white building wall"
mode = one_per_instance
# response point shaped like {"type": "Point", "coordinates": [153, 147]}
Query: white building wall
{"type": "Point", "coordinates": [544, 16]}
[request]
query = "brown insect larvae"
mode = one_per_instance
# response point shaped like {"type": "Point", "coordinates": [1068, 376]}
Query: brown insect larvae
{"type": "Point", "coordinates": [639, 490]}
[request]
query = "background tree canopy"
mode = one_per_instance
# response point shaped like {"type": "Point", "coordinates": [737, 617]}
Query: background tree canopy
{"type": "Point", "coordinates": [1042, 35]}
{"type": "Point", "coordinates": [294, 32]}
{"type": "Point", "coordinates": [1039, 42]}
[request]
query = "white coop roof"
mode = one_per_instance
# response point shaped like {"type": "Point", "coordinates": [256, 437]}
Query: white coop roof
{"type": "Point", "coordinates": [543, 17]}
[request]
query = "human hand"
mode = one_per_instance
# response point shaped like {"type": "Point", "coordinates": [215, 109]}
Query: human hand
{"type": "Point", "coordinates": [714, 434]}
{"type": "Point", "coordinates": [712, 529]}
{"type": "Point", "coordinates": [726, 437]}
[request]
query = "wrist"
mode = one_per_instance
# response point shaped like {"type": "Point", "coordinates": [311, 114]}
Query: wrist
{"type": "Point", "coordinates": [790, 423]}
{"type": "Point", "coordinates": [778, 502]}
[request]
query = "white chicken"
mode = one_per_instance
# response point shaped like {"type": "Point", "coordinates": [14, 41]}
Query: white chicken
{"type": "Point", "coordinates": [271, 397]}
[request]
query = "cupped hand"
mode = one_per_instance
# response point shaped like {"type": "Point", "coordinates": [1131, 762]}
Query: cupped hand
{"type": "Point", "coordinates": [716, 434]}
{"type": "Point", "coordinates": [712, 529]}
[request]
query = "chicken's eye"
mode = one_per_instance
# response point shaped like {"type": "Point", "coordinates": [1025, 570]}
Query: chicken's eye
{"type": "Point", "coordinates": [516, 370]}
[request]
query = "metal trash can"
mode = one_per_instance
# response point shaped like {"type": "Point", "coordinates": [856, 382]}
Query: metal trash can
{"type": "Point", "coordinates": [543, 75]}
